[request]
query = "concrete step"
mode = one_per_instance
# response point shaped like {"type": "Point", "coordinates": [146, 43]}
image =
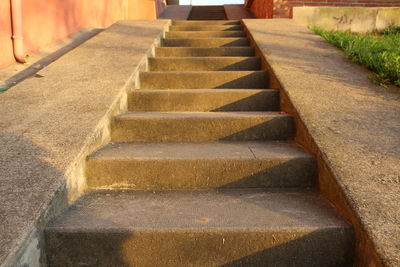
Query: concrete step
{"type": "Point", "coordinates": [200, 126]}
{"type": "Point", "coordinates": [200, 228]}
{"type": "Point", "coordinates": [206, 28]}
{"type": "Point", "coordinates": [204, 79]}
{"type": "Point", "coordinates": [159, 166]}
{"type": "Point", "coordinates": [204, 100]}
{"type": "Point", "coordinates": [204, 51]}
{"type": "Point", "coordinates": [204, 63]}
{"type": "Point", "coordinates": [207, 13]}
{"type": "Point", "coordinates": [202, 34]}
{"type": "Point", "coordinates": [205, 42]}
{"type": "Point", "coordinates": [205, 22]}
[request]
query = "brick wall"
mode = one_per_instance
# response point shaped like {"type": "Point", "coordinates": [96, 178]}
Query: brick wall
{"type": "Point", "coordinates": [283, 8]}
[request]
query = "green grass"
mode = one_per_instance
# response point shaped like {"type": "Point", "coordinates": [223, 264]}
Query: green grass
{"type": "Point", "coordinates": [379, 52]}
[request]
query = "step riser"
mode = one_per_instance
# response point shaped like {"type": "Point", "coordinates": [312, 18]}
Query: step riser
{"type": "Point", "coordinates": [199, 248]}
{"type": "Point", "coordinates": [202, 22]}
{"type": "Point", "coordinates": [204, 64]}
{"type": "Point", "coordinates": [204, 52]}
{"type": "Point", "coordinates": [166, 174]}
{"type": "Point", "coordinates": [192, 129]}
{"type": "Point", "coordinates": [204, 100]}
{"type": "Point", "coordinates": [205, 42]}
{"type": "Point", "coordinates": [202, 34]}
{"type": "Point", "coordinates": [207, 28]}
{"type": "Point", "coordinates": [202, 80]}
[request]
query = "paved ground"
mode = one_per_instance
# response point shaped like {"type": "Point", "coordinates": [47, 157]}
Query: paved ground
{"type": "Point", "coordinates": [237, 12]}
{"type": "Point", "coordinates": [355, 125]}
{"type": "Point", "coordinates": [17, 72]}
{"type": "Point", "coordinates": [49, 122]}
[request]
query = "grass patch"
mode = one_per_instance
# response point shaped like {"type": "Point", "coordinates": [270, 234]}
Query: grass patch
{"type": "Point", "coordinates": [378, 52]}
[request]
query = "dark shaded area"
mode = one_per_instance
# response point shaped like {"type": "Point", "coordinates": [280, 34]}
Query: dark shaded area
{"type": "Point", "coordinates": [207, 13]}
{"type": "Point", "coordinates": [204, 51]}
{"type": "Point", "coordinates": [318, 239]}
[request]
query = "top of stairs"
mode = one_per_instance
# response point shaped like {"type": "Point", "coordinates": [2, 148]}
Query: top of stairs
{"type": "Point", "coordinates": [207, 13]}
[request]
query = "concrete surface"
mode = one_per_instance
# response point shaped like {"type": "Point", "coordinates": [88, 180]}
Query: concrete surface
{"type": "Point", "coordinates": [163, 231]}
{"type": "Point", "coordinates": [224, 228]}
{"type": "Point", "coordinates": [237, 12]}
{"type": "Point", "coordinates": [206, 28]}
{"type": "Point", "coordinates": [204, 34]}
{"type": "Point", "coordinates": [355, 19]}
{"type": "Point", "coordinates": [207, 13]}
{"type": "Point", "coordinates": [205, 22]}
{"type": "Point", "coordinates": [204, 63]}
{"type": "Point", "coordinates": [170, 165]}
{"type": "Point", "coordinates": [204, 51]}
{"type": "Point", "coordinates": [176, 12]}
{"type": "Point", "coordinates": [204, 80]}
{"type": "Point", "coordinates": [355, 130]}
{"type": "Point", "coordinates": [206, 42]}
{"type": "Point", "coordinates": [204, 100]}
{"type": "Point", "coordinates": [15, 73]}
{"type": "Point", "coordinates": [49, 123]}
{"type": "Point", "coordinates": [200, 126]}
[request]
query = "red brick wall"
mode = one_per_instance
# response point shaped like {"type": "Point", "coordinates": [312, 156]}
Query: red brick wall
{"type": "Point", "coordinates": [283, 8]}
{"type": "Point", "coordinates": [262, 8]}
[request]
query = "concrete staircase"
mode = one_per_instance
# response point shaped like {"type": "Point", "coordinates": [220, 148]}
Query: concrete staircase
{"type": "Point", "coordinates": [207, 13]}
{"type": "Point", "coordinates": [201, 170]}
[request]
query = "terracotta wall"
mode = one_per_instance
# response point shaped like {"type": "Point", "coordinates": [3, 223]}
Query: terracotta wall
{"type": "Point", "coordinates": [283, 8]}
{"type": "Point", "coordinates": [6, 48]}
{"type": "Point", "coordinates": [48, 21]}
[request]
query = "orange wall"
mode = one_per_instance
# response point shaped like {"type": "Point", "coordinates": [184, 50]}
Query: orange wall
{"type": "Point", "coordinates": [47, 21]}
{"type": "Point", "coordinates": [6, 48]}
{"type": "Point", "coordinates": [147, 9]}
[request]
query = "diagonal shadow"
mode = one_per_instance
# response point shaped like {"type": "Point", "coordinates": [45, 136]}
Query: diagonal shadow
{"type": "Point", "coordinates": [47, 60]}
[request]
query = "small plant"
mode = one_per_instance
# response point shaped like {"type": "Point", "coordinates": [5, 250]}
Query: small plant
{"type": "Point", "coordinates": [391, 30]}
{"type": "Point", "coordinates": [381, 53]}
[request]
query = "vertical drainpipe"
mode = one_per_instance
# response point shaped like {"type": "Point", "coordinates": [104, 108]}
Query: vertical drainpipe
{"type": "Point", "coordinates": [16, 21]}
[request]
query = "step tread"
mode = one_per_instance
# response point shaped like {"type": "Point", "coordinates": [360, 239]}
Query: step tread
{"type": "Point", "coordinates": [205, 48]}
{"type": "Point", "coordinates": [201, 126]}
{"type": "Point", "coordinates": [201, 91]}
{"type": "Point", "coordinates": [263, 150]}
{"type": "Point", "coordinates": [211, 38]}
{"type": "Point", "coordinates": [205, 58]}
{"type": "Point", "coordinates": [208, 22]}
{"type": "Point", "coordinates": [185, 64]}
{"type": "Point", "coordinates": [204, 79]}
{"type": "Point", "coordinates": [199, 115]}
{"type": "Point", "coordinates": [211, 31]}
{"type": "Point", "coordinates": [233, 210]}
{"type": "Point", "coordinates": [203, 100]}
{"type": "Point", "coordinates": [204, 34]}
{"type": "Point", "coordinates": [206, 42]}
{"type": "Point", "coordinates": [206, 28]}
{"type": "Point", "coordinates": [204, 51]}
{"type": "Point", "coordinates": [208, 72]}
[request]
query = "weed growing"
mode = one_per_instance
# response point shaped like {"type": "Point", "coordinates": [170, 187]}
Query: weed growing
{"type": "Point", "coordinates": [378, 52]}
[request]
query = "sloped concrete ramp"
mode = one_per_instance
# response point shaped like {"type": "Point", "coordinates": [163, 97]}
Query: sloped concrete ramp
{"type": "Point", "coordinates": [348, 123]}
{"type": "Point", "coordinates": [49, 123]}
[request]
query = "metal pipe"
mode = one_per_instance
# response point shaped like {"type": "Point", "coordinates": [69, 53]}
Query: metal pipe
{"type": "Point", "coordinates": [17, 34]}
